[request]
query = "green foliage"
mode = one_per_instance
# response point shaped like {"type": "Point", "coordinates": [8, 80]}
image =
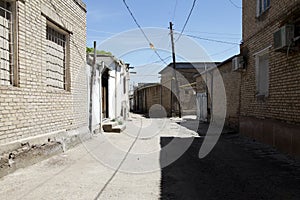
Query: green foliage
{"type": "Point", "coordinates": [99, 52]}
{"type": "Point", "coordinates": [89, 49]}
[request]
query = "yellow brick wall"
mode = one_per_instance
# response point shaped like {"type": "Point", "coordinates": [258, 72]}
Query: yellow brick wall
{"type": "Point", "coordinates": [32, 108]}
{"type": "Point", "coordinates": [284, 83]}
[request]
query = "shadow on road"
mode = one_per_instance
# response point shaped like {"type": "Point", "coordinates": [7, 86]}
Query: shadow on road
{"type": "Point", "coordinates": [202, 127]}
{"type": "Point", "coordinates": [235, 169]}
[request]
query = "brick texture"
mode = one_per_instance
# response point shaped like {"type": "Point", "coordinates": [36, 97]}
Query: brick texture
{"type": "Point", "coordinates": [274, 119]}
{"type": "Point", "coordinates": [32, 108]}
{"type": "Point", "coordinates": [284, 88]}
{"type": "Point", "coordinates": [186, 85]}
{"type": "Point", "coordinates": [232, 82]}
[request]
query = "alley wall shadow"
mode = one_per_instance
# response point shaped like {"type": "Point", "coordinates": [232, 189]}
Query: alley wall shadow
{"type": "Point", "coordinates": [229, 172]}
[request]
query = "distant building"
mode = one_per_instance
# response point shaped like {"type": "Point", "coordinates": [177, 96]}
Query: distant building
{"type": "Point", "coordinates": [183, 82]}
{"type": "Point", "coordinates": [270, 85]}
{"type": "Point", "coordinates": [110, 90]}
{"type": "Point", "coordinates": [231, 80]}
{"type": "Point", "coordinates": [145, 96]}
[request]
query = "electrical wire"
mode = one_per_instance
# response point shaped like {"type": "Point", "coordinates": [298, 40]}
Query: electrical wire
{"type": "Point", "coordinates": [224, 51]}
{"type": "Point", "coordinates": [235, 5]}
{"type": "Point", "coordinates": [187, 20]}
{"type": "Point", "coordinates": [212, 33]}
{"type": "Point", "coordinates": [154, 62]}
{"type": "Point", "coordinates": [138, 25]}
{"type": "Point", "coordinates": [211, 40]}
{"type": "Point", "coordinates": [175, 8]}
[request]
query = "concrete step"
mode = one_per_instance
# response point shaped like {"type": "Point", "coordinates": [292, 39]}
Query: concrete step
{"type": "Point", "coordinates": [108, 126]}
{"type": "Point", "coordinates": [118, 128]}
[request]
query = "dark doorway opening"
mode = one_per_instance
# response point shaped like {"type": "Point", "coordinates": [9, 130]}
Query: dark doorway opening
{"type": "Point", "coordinates": [105, 94]}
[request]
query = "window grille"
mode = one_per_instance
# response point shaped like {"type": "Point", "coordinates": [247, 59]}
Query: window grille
{"type": "Point", "coordinates": [6, 44]}
{"type": "Point", "coordinates": [56, 58]}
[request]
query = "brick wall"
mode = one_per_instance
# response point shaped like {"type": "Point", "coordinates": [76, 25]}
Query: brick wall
{"type": "Point", "coordinates": [187, 89]}
{"type": "Point", "coordinates": [284, 88]}
{"type": "Point", "coordinates": [282, 105]}
{"type": "Point", "coordinates": [153, 97]}
{"type": "Point", "coordinates": [32, 108]}
{"type": "Point", "coordinates": [166, 91]}
{"type": "Point", "coordinates": [146, 97]}
{"type": "Point", "coordinates": [231, 81]}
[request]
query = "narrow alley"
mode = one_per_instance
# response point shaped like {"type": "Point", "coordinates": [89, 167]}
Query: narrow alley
{"type": "Point", "coordinates": [238, 168]}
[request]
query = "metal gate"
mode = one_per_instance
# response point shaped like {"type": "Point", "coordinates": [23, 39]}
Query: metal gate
{"type": "Point", "coordinates": [202, 106]}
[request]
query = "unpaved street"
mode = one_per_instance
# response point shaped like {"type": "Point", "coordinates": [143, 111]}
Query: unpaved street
{"type": "Point", "coordinates": [128, 166]}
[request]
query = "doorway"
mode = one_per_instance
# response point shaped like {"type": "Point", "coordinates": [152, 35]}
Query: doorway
{"type": "Point", "coordinates": [105, 94]}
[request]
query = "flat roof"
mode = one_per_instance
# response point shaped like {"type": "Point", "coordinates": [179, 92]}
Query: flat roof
{"type": "Point", "coordinates": [190, 65]}
{"type": "Point", "coordinates": [218, 65]}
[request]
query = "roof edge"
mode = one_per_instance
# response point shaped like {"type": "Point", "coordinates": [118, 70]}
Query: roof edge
{"type": "Point", "coordinates": [81, 4]}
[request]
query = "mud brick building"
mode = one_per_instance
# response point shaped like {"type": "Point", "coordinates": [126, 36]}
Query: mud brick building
{"type": "Point", "coordinates": [231, 80]}
{"type": "Point", "coordinates": [183, 80]}
{"type": "Point", "coordinates": [146, 96]}
{"type": "Point", "coordinates": [43, 79]}
{"type": "Point", "coordinates": [270, 84]}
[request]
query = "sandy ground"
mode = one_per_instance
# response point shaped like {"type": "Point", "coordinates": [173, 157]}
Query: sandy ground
{"type": "Point", "coordinates": [158, 159]}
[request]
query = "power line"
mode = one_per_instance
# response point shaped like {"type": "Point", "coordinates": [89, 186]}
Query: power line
{"type": "Point", "coordinates": [138, 25]}
{"type": "Point", "coordinates": [154, 62]}
{"type": "Point", "coordinates": [160, 41]}
{"type": "Point", "coordinates": [220, 36]}
{"type": "Point", "coordinates": [213, 33]}
{"type": "Point", "coordinates": [235, 5]}
{"type": "Point", "coordinates": [187, 20]}
{"type": "Point", "coordinates": [175, 8]}
{"type": "Point", "coordinates": [224, 51]}
{"type": "Point", "coordinates": [211, 40]}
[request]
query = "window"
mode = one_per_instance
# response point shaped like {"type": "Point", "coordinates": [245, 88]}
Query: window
{"type": "Point", "coordinates": [262, 73]}
{"type": "Point", "coordinates": [262, 6]}
{"type": "Point", "coordinates": [57, 68]}
{"type": "Point", "coordinates": [7, 70]}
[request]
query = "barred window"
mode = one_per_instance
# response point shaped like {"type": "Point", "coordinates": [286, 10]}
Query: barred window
{"type": "Point", "coordinates": [56, 57]}
{"type": "Point", "coordinates": [6, 44]}
{"type": "Point", "coordinates": [262, 6]}
{"type": "Point", "coordinates": [262, 73]}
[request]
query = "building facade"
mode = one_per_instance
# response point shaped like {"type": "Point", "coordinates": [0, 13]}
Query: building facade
{"type": "Point", "coordinates": [205, 89]}
{"type": "Point", "coordinates": [110, 96]}
{"type": "Point", "coordinates": [43, 80]}
{"type": "Point", "coordinates": [270, 107]}
{"type": "Point", "coordinates": [146, 96]}
{"type": "Point", "coordinates": [179, 85]}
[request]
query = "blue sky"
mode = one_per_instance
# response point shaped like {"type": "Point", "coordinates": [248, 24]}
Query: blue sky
{"type": "Point", "coordinates": [211, 19]}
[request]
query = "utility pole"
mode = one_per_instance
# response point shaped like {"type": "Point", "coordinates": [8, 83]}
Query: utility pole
{"type": "Point", "coordinates": [174, 73]}
{"type": "Point", "coordinates": [92, 79]}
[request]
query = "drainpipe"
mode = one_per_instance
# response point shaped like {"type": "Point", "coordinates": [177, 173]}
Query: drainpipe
{"type": "Point", "coordinates": [212, 96]}
{"type": "Point", "coordinates": [116, 87]}
{"type": "Point", "coordinates": [161, 97]}
{"type": "Point", "coordinates": [91, 90]}
{"type": "Point", "coordinates": [100, 94]}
